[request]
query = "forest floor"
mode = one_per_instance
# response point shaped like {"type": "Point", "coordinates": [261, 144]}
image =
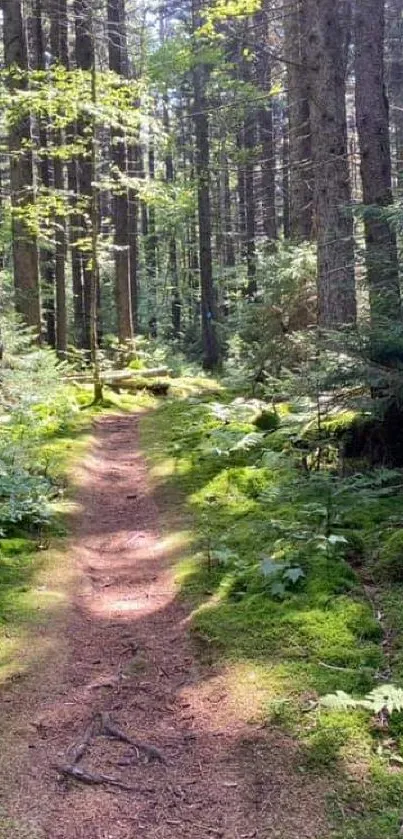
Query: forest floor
{"type": "Point", "coordinates": [121, 645]}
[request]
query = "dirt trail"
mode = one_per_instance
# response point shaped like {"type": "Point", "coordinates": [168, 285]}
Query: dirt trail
{"type": "Point", "coordinates": [127, 651]}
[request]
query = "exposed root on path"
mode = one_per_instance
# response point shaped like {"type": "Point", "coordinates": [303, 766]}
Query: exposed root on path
{"type": "Point", "coordinates": [102, 725]}
{"type": "Point", "coordinates": [111, 730]}
{"type": "Point", "coordinates": [90, 778]}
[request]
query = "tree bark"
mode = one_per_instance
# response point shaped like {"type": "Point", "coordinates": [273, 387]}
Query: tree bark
{"type": "Point", "coordinates": [373, 131]}
{"type": "Point", "coordinates": [300, 150]}
{"type": "Point", "coordinates": [265, 126]}
{"type": "Point", "coordinates": [333, 219]}
{"type": "Point", "coordinates": [84, 55]}
{"type": "Point", "coordinates": [37, 61]}
{"type": "Point", "coordinates": [208, 301]}
{"type": "Point", "coordinates": [118, 63]}
{"type": "Point", "coordinates": [25, 252]}
{"type": "Point", "coordinates": [60, 54]}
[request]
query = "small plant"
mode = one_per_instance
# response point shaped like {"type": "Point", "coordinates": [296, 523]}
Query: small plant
{"type": "Point", "coordinates": [284, 576]}
{"type": "Point", "coordinates": [381, 700]}
{"type": "Point", "coordinates": [267, 421]}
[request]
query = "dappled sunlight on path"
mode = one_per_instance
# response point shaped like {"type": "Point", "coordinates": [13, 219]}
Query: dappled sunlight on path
{"type": "Point", "coordinates": [129, 654]}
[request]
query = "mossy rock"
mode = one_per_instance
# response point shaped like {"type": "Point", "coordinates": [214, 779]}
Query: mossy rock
{"type": "Point", "coordinates": [390, 564]}
{"type": "Point", "coordinates": [267, 421]}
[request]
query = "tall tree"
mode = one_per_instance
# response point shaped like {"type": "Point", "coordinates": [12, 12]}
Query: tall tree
{"type": "Point", "coordinates": [373, 131]}
{"type": "Point", "coordinates": [265, 123]}
{"type": "Point", "coordinates": [333, 221]}
{"type": "Point", "coordinates": [118, 62]}
{"type": "Point", "coordinates": [25, 252]}
{"type": "Point", "coordinates": [60, 54]}
{"type": "Point", "coordinates": [300, 151]}
{"type": "Point", "coordinates": [202, 138]}
{"type": "Point", "coordinates": [37, 61]}
{"type": "Point", "coordinates": [85, 59]}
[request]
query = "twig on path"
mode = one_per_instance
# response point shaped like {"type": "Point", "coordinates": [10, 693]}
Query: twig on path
{"type": "Point", "coordinates": [111, 730]}
{"type": "Point", "coordinates": [90, 778]}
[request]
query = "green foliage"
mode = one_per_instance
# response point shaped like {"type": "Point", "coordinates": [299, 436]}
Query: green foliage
{"type": "Point", "coordinates": [267, 421]}
{"type": "Point", "coordinates": [390, 562]}
{"type": "Point", "coordinates": [382, 698]}
{"type": "Point", "coordinates": [322, 638]}
{"type": "Point", "coordinates": [34, 406]}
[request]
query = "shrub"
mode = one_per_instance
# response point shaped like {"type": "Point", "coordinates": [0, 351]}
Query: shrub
{"type": "Point", "coordinates": [391, 557]}
{"type": "Point", "coordinates": [267, 421]}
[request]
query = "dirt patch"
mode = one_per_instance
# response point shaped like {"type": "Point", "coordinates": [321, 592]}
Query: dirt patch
{"type": "Point", "coordinates": [125, 651]}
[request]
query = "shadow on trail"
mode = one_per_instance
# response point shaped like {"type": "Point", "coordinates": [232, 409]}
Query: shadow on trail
{"type": "Point", "coordinates": [129, 653]}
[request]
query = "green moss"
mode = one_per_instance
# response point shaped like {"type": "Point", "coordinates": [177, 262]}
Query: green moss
{"type": "Point", "coordinates": [390, 562]}
{"type": "Point", "coordinates": [324, 635]}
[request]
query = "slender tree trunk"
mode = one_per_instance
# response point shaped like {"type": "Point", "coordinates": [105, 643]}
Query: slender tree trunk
{"type": "Point", "coordinates": [373, 131]}
{"type": "Point", "coordinates": [152, 241]}
{"type": "Point", "coordinates": [25, 252]}
{"type": "Point", "coordinates": [59, 51]}
{"type": "Point", "coordinates": [250, 200]}
{"type": "Point", "coordinates": [172, 249]}
{"type": "Point", "coordinates": [285, 161]}
{"type": "Point", "coordinates": [118, 63]}
{"type": "Point", "coordinates": [84, 54]}
{"type": "Point", "coordinates": [201, 124]}
{"type": "Point", "coordinates": [395, 40]}
{"type": "Point", "coordinates": [334, 225]}
{"type": "Point", "coordinates": [300, 150]}
{"type": "Point", "coordinates": [241, 194]}
{"type": "Point", "coordinates": [230, 260]}
{"type": "Point", "coordinates": [265, 125]}
{"type": "Point", "coordinates": [134, 240]}
{"type": "Point", "coordinates": [36, 60]}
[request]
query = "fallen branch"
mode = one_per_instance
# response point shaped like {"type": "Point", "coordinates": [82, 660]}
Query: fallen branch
{"type": "Point", "coordinates": [89, 778]}
{"type": "Point", "coordinates": [111, 730]}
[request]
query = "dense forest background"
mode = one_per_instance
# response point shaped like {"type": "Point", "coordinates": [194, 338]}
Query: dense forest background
{"type": "Point", "coordinates": [201, 233]}
{"type": "Point", "coordinates": [223, 176]}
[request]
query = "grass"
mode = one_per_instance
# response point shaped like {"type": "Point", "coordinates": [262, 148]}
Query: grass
{"type": "Point", "coordinates": [247, 503]}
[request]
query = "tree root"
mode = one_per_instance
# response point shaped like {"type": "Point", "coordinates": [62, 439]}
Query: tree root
{"type": "Point", "coordinates": [101, 724]}
{"type": "Point", "coordinates": [90, 778]}
{"type": "Point", "coordinates": [111, 730]}
{"type": "Point", "coordinates": [77, 752]}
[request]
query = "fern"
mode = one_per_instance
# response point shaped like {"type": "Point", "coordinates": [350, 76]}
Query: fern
{"type": "Point", "coordinates": [382, 698]}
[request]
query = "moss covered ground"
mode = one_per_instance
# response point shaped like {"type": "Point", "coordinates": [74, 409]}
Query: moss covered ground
{"type": "Point", "coordinates": [282, 568]}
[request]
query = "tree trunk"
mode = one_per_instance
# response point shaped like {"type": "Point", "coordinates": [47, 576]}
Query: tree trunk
{"type": "Point", "coordinates": [25, 252]}
{"type": "Point", "coordinates": [59, 51]}
{"type": "Point", "coordinates": [118, 63]}
{"type": "Point", "coordinates": [395, 40]}
{"type": "Point", "coordinates": [134, 240]}
{"type": "Point", "coordinates": [373, 131]}
{"type": "Point", "coordinates": [201, 124]}
{"type": "Point", "coordinates": [285, 160]}
{"type": "Point", "coordinates": [84, 54]}
{"type": "Point", "coordinates": [265, 125]}
{"type": "Point", "coordinates": [333, 219]}
{"type": "Point", "coordinates": [37, 61]}
{"type": "Point", "coordinates": [300, 151]}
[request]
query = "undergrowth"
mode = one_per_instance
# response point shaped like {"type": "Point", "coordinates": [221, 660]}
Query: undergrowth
{"type": "Point", "coordinates": [282, 573]}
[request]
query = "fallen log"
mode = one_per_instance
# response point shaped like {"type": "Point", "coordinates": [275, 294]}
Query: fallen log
{"type": "Point", "coordinates": [133, 385]}
{"type": "Point", "coordinates": [146, 373]}
{"type": "Point", "coordinates": [118, 377]}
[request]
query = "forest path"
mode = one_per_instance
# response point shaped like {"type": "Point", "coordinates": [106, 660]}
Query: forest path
{"type": "Point", "coordinates": [128, 652]}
